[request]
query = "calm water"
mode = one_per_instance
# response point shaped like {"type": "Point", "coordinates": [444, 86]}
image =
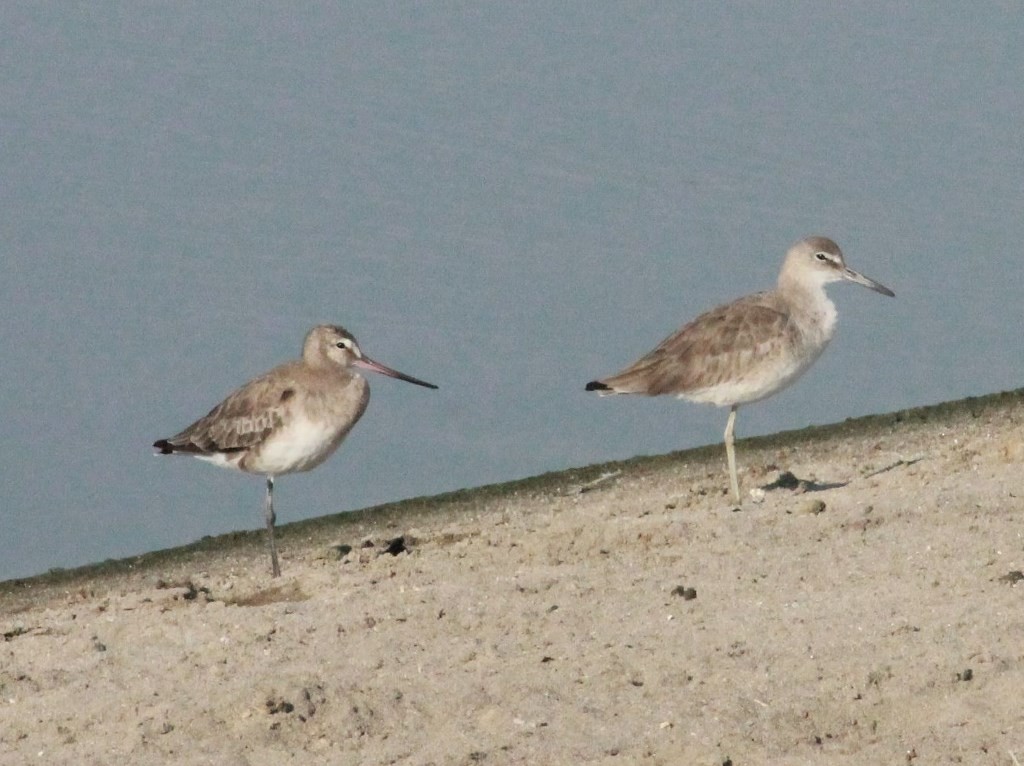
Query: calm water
{"type": "Point", "coordinates": [507, 201]}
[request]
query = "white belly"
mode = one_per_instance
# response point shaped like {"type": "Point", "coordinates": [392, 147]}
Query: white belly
{"type": "Point", "coordinates": [300, 445]}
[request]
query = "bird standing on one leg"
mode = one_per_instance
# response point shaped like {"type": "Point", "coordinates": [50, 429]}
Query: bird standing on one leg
{"type": "Point", "coordinates": [749, 349]}
{"type": "Point", "coordinates": [288, 420]}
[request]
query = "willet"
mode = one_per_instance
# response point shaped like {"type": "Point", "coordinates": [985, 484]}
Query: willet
{"type": "Point", "coordinates": [745, 351]}
{"type": "Point", "coordinates": [290, 419]}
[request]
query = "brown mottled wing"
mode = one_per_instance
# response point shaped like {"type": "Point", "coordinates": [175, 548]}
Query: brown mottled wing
{"type": "Point", "coordinates": [240, 422]}
{"type": "Point", "coordinates": [707, 351]}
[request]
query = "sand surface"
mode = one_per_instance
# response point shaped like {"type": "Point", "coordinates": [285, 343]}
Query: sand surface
{"type": "Point", "coordinates": [868, 615]}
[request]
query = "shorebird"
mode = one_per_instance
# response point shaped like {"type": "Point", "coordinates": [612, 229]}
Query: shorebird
{"type": "Point", "coordinates": [749, 349]}
{"type": "Point", "coordinates": [287, 420]}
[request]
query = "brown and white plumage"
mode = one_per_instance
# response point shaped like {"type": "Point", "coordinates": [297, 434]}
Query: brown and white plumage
{"type": "Point", "coordinates": [749, 349]}
{"type": "Point", "coordinates": [290, 419]}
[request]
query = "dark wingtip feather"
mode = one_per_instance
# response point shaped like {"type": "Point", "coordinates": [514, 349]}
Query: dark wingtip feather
{"type": "Point", "coordinates": [164, 446]}
{"type": "Point", "coordinates": [596, 385]}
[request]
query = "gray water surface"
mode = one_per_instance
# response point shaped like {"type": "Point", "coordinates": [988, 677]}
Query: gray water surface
{"type": "Point", "coordinates": [507, 200]}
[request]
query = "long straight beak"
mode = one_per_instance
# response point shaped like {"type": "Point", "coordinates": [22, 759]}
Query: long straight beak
{"type": "Point", "coordinates": [860, 279]}
{"type": "Point", "coordinates": [368, 364]}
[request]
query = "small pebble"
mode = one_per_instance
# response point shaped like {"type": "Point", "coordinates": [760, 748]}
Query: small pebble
{"type": "Point", "coordinates": [340, 551]}
{"type": "Point", "coordinates": [688, 594]}
{"type": "Point", "coordinates": [812, 507]}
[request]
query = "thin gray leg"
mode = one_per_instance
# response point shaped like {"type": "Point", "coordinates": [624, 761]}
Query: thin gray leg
{"type": "Point", "coordinates": [730, 452]}
{"type": "Point", "coordinates": [275, 568]}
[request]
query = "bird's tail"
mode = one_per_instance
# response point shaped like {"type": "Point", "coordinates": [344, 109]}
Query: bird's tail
{"type": "Point", "coordinates": [163, 447]}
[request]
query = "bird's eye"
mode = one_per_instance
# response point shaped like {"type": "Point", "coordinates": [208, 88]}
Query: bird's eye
{"type": "Point", "coordinates": [342, 344]}
{"type": "Point", "coordinates": [821, 256]}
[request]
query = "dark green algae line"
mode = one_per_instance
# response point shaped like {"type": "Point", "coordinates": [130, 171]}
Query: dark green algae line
{"type": "Point", "coordinates": [468, 500]}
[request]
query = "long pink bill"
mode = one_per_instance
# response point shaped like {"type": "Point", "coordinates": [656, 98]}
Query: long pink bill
{"type": "Point", "coordinates": [368, 364]}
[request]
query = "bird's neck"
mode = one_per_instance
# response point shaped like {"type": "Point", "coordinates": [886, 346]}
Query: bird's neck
{"type": "Point", "coordinates": [812, 309]}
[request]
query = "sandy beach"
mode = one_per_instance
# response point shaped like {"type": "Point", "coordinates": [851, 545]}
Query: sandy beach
{"type": "Point", "coordinates": [862, 608]}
